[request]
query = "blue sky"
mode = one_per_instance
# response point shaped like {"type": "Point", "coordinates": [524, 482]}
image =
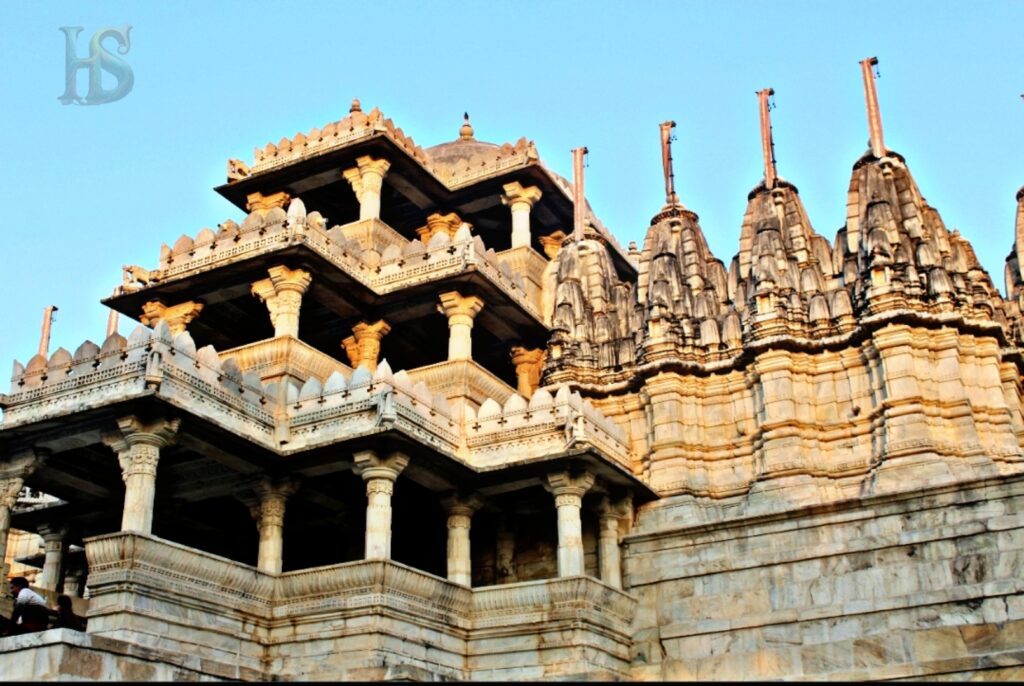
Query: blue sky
{"type": "Point", "coordinates": [88, 189]}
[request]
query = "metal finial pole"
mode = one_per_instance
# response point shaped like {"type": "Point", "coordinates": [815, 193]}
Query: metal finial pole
{"type": "Point", "coordinates": [578, 198]}
{"type": "Point", "coordinates": [111, 323]}
{"type": "Point", "coordinates": [44, 336]}
{"type": "Point", "coordinates": [666, 162]}
{"type": "Point", "coordinates": [767, 144]}
{"type": "Point", "coordinates": [874, 115]}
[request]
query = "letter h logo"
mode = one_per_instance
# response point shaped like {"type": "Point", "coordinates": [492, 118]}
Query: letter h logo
{"type": "Point", "coordinates": [98, 61]}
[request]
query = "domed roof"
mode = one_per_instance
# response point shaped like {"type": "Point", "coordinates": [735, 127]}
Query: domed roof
{"type": "Point", "coordinates": [462, 148]}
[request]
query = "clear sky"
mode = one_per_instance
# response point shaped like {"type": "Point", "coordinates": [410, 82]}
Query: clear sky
{"type": "Point", "coordinates": [88, 189]}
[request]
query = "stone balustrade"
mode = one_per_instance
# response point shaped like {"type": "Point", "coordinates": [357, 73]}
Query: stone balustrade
{"type": "Point", "coordinates": [175, 599]}
{"type": "Point", "coordinates": [391, 264]}
{"type": "Point", "coordinates": [343, 406]}
{"type": "Point", "coordinates": [540, 426]}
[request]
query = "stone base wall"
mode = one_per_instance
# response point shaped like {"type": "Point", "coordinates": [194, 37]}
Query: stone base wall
{"type": "Point", "coordinates": [65, 655]}
{"type": "Point", "coordinates": [923, 584]}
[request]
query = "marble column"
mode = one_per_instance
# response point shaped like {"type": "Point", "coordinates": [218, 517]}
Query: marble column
{"type": "Point", "coordinates": [73, 583]}
{"type": "Point", "coordinates": [138, 445]}
{"type": "Point", "coordinates": [460, 511]}
{"type": "Point", "coordinates": [55, 545]}
{"type": "Point", "coordinates": [367, 180]}
{"type": "Point", "coordinates": [178, 317]}
{"type": "Point", "coordinates": [568, 490]}
{"type": "Point", "coordinates": [380, 474]}
{"type": "Point", "coordinates": [608, 517]}
{"type": "Point", "coordinates": [520, 201]}
{"type": "Point", "coordinates": [13, 472]}
{"type": "Point", "coordinates": [282, 293]}
{"type": "Point", "coordinates": [460, 310]}
{"type": "Point", "coordinates": [528, 363]}
{"type": "Point", "coordinates": [269, 515]}
{"type": "Point", "coordinates": [363, 346]}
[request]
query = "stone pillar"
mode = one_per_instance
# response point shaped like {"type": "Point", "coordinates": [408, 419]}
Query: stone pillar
{"type": "Point", "coordinates": [460, 514]}
{"type": "Point", "coordinates": [460, 310]}
{"type": "Point", "coordinates": [13, 472]}
{"type": "Point", "coordinates": [520, 200]}
{"type": "Point", "coordinates": [608, 517]}
{"type": "Point", "coordinates": [505, 554]}
{"type": "Point", "coordinates": [269, 515]}
{"type": "Point", "coordinates": [363, 346]}
{"type": "Point", "coordinates": [73, 582]}
{"type": "Point", "coordinates": [380, 475]}
{"type": "Point", "coordinates": [282, 293]}
{"type": "Point", "coordinates": [528, 363]}
{"type": "Point", "coordinates": [568, 490]}
{"type": "Point", "coordinates": [177, 316]}
{"type": "Point", "coordinates": [138, 445]}
{"type": "Point", "coordinates": [54, 544]}
{"type": "Point", "coordinates": [367, 179]}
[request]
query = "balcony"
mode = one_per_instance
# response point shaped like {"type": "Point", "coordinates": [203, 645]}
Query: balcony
{"type": "Point", "coordinates": [350, 620]}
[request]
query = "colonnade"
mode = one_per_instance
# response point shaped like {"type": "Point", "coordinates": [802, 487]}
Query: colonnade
{"type": "Point", "coordinates": [138, 447]}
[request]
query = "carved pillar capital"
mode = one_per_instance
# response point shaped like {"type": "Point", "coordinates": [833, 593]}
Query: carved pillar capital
{"type": "Point", "coordinates": [461, 505]}
{"type": "Point", "coordinates": [552, 244]}
{"type": "Point", "coordinates": [529, 362]}
{"type": "Point", "coordinates": [273, 496]}
{"type": "Point", "coordinates": [53, 535]}
{"type": "Point", "coordinates": [515, 195]}
{"type": "Point", "coordinates": [15, 469]}
{"type": "Point", "coordinates": [363, 346]}
{"type": "Point", "coordinates": [282, 293]}
{"type": "Point", "coordinates": [438, 223]}
{"type": "Point", "coordinates": [371, 466]}
{"type": "Point", "coordinates": [458, 308]}
{"type": "Point", "coordinates": [565, 484]}
{"type": "Point", "coordinates": [257, 202]}
{"type": "Point", "coordinates": [177, 317]}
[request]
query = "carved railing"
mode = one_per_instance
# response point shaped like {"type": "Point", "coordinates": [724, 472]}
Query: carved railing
{"type": "Point", "coordinates": [214, 386]}
{"type": "Point", "coordinates": [578, 598]}
{"type": "Point", "coordinates": [369, 583]}
{"type": "Point", "coordinates": [132, 562]}
{"type": "Point", "coordinates": [398, 265]}
{"type": "Point", "coordinates": [171, 569]}
{"type": "Point", "coordinates": [544, 425]}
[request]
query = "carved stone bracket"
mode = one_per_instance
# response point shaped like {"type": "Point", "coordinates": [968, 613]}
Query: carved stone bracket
{"type": "Point", "coordinates": [528, 363]}
{"type": "Point", "coordinates": [177, 317]}
{"type": "Point", "coordinates": [257, 202]}
{"type": "Point", "coordinates": [282, 293]}
{"type": "Point", "coordinates": [363, 347]}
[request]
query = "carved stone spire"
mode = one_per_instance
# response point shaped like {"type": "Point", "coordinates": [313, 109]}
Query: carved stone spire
{"type": "Point", "coordinates": [767, 144]}
{"type": "Point", "coordinates": [874, 115]}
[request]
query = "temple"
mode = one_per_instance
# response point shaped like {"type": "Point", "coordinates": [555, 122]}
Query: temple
{"type": "Point", "coordinates": [419, 416]}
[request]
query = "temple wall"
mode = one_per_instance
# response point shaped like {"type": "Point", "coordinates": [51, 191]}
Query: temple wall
{"type": "Point", "coordinates": [924, 583]}
{"type": "Point", "coordinates": [795, 428]}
